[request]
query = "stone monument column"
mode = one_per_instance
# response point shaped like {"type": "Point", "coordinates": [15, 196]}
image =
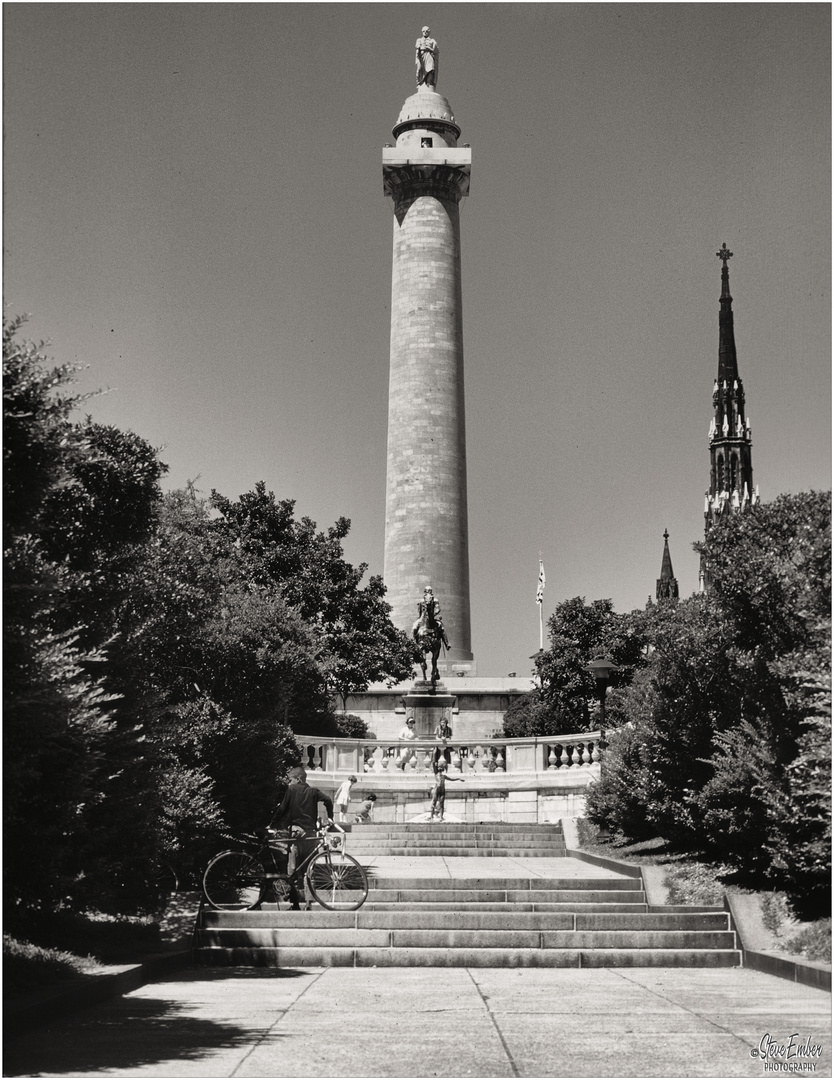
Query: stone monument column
{"type": "Point", "coordinates": [426, 528]}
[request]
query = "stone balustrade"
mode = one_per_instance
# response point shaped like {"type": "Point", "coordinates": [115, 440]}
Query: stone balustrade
{"type": "Point", "coordinates": [497, 759]}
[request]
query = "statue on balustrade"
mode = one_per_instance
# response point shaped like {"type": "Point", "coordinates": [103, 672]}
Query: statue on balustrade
{"type": "Point", "coordinates": [429, 632]}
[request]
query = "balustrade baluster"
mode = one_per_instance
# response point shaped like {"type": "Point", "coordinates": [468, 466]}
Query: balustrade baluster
{"type": "Point", "coordinates": [491, 756]}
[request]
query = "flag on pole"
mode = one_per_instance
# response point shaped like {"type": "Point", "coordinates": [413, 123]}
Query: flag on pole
{"type": "Point", "coordinates": [540, 590]}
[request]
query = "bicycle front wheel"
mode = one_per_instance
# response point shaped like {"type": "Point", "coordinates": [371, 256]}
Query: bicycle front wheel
{"type": "Point", "coordinates": [337, 881]}
{"type": "Point", "coordinates": [234, 881]}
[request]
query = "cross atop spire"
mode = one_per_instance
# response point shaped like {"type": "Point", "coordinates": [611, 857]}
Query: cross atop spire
{"type": "Point", "coordinates": [724, 254]}
{"type": "Point", "coordinates": [666, 535]}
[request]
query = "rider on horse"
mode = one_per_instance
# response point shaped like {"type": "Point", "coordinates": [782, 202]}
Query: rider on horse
{"type": "Point", "coordinates": [429, 632]}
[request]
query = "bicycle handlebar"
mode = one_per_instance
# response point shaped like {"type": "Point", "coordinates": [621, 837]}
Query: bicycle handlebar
{"type": "Point", "coordinates": [321, 829]}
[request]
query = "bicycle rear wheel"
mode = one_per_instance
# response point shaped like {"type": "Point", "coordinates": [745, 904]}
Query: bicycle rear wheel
{"type": "Point", "coordinates": [234, 881]}
{"type": "Point", "coordinates": [337, 881]}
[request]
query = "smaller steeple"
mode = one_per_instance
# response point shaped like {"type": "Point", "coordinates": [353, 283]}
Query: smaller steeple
{"type": "Point", "coordinates": [667, 583]}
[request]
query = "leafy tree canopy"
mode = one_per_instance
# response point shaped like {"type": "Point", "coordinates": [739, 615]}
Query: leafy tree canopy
{"type": "Point", "coordinates": [725, 744]}
{"type": "Point", "coordinates": [80, 501]}
{"type": "Point", "coordinates": [578, 632]}
{"type": "Point", "coordinates": [358, 643]}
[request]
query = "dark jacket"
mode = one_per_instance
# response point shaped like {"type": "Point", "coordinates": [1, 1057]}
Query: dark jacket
{"type": "Point", "coordinates": [300, 806]}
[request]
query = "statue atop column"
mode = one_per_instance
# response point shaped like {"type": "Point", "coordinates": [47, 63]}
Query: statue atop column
{"type": "Point", "coordinates": [429, 632]}
{"type": "Point", "coordinates": [426, 58]}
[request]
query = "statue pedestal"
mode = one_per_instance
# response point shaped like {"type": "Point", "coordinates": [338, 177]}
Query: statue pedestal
{"type": "Point", "coordinates": [428, 705]}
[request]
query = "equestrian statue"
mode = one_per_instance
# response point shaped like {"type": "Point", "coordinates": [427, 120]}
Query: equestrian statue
{"type": "Point", "coordinates": [429, 633]}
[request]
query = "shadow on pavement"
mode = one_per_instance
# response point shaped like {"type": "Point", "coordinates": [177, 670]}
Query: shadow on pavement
{"type": "Point", "coordinates": [127, 1033]}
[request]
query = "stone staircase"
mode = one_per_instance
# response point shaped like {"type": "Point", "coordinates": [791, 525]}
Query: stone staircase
{"type": "Point", "coordinates": [585, 918]}
{"type": "Point", "coordinates": [464, 840]}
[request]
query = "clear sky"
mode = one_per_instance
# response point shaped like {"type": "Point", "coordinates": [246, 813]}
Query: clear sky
{"type": "Point", "coordinates": [194, 209]}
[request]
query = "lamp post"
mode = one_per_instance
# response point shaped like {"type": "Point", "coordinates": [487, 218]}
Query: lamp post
{"type": "Point", "coordinates": [601, 669]}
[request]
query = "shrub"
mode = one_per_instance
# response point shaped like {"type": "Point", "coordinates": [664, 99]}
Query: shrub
{"type": "Point", "coordinates": [694, 883]}
{"type": "Point", "coordinates": [617, 801]}
{"type": "Point", "coordinates": [349, 726]}
{"type": "Point", "coordinates": [28, 967]}
{"type": "Point", "coordinates": [813, 942]}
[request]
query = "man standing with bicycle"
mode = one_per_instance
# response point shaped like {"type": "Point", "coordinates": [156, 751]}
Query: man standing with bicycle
{"type": "Point", "coordinates": [299, 812]}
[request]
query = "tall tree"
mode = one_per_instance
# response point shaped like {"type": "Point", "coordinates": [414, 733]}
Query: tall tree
{"type": "Point", "coordinates": [70, 756]}
{"type": "Point", "coordinates": [732, 714]}
{"type": "Point", "coordinates": [578, 632]}
{"type": "Point", "coordinates": [358, 644]}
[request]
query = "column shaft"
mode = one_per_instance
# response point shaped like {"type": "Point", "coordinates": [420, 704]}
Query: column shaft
{"type": "Point", "coordinates": [426, 529]}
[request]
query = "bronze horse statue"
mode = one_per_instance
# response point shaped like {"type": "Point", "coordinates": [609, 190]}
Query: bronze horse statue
{"type": "Point", "coordinates": [429, 635]}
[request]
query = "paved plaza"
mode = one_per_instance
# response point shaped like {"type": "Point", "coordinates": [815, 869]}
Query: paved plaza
{"type": "Point", "coordinates": [427, 1022]}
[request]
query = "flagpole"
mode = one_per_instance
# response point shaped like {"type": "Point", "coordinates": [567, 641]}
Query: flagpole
{"type": "Point", "coordinates": [540, 602]}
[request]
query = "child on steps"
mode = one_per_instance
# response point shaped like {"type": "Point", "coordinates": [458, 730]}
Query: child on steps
{"type": "Point", "coordinates": [438, 795]}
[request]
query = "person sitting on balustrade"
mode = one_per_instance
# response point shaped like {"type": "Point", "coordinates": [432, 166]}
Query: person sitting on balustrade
{"type": "Point", "coordinates": [407, 733]}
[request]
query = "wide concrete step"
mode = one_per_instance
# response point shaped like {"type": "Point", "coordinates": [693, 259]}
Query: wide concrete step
{"type": "Point", "coordinates": [439, 832]}
{"type": "Point", "coordinates": [456, 828]}
{"type": "Point", "coordinates": [430, 919]}
{"type": "Point", "coordinates": [487, 894]}
{"type": "Point", "coordinates": [476, 844]}
{"type": "Point", "coordinates": [515, 884]}
{"type": "Point", "coordinates": [456, 852]}
{"type": "Point", "coordinates": [479, 957]}
{"type": "Point", "coordinates": [467, 939]}
{"type": "Point", "coordinates": [509, 910]}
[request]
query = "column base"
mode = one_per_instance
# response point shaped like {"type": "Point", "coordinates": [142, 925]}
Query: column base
{"type": "Point", "coordinates": [457, 669]}
{"type": "Point", "coordinates": [428, 705]}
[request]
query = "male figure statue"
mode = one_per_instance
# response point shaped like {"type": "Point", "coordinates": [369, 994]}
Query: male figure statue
{"type": "Point", "coordinates": [429, 633]}
{"type": "Point", "coordinates": [427, 60]}
{"type": "Point", "coordinates": [428, 611]}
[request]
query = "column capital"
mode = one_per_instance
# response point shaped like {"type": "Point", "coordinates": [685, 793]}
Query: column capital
{"type": "Point", "coordinates": [410, 179]}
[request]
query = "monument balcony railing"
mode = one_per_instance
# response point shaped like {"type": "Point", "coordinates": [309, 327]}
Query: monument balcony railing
{"type": "Point", "coordinates": [500, 757]}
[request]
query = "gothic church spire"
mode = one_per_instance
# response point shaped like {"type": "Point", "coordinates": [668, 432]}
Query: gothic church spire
{"type": "Point", "coordinates": [730, 438]}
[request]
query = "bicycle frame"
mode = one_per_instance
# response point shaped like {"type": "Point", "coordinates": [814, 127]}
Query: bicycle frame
{"type": "Point", "coordinates": [325, 873]}
{"type": "Point", "coordinates": [267, 849]}
{"type": "Point", "coordinates": [325, 840]}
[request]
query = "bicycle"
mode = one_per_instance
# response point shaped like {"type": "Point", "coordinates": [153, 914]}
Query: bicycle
{"type": "Point", "coordinates": [238, 880]}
